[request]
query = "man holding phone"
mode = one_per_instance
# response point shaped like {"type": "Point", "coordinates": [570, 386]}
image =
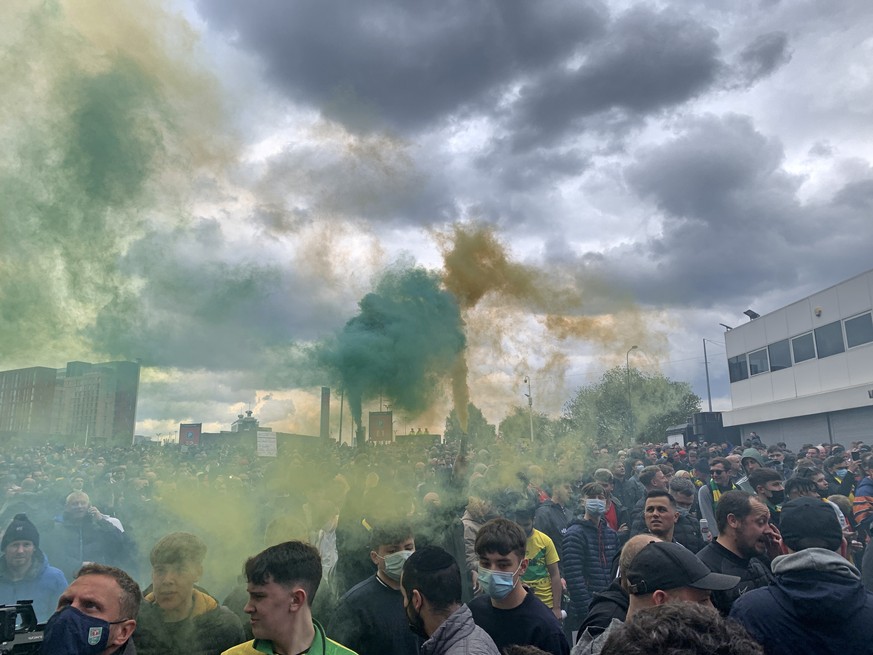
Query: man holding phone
{"type": "Point", "coordinates": [746, 543]}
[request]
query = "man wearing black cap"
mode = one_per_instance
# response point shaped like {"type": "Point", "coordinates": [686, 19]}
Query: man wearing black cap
{"type": "Point", "coordinates": [25, 571]}
{"type": "Point", "coordinates": [662, 573]}
{"type": "Point", "coordinates": [665, 572]}
{"type": "Point", "coordinates": [817, 603]}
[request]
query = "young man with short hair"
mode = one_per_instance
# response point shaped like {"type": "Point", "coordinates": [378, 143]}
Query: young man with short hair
{"type": "Point", "coordinates": [177, 616]}
{"type": "Point", "coordinates": [542, 575]}
{"type": "Point", "coordinates": [770, 489]}
{"type": "Point", "coordinates": [590, 546]}
{"type": "Point", "coordinates": [282, 581]}
{"type": "Point", "coordinates": [660, 514]}
{"type": "Point", "coordinates": [431, 588]}
{"type": "Point", "coordinates": [506, 610]}
{"type": "Point", "coordinates": [370, 617]}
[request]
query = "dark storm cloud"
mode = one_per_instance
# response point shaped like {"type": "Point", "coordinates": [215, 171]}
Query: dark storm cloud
{"type": "Point", "coordinates": [405, 64]}
{"type": "Point", "coordinates": [645, 61]}
{"type": "Point", "coordinates": [762, 56]}
{"type": "Point", "coordinates": [197, 302]}
{"type": "Point", "coordinates": [733, 227]}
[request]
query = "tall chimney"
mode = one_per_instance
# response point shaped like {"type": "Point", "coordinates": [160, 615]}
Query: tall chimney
{"type": "Point", "coordinates": [325, 413]}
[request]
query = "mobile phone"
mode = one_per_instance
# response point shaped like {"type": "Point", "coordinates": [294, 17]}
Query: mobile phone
{"type": "Point", "coordinates": [856, 456]}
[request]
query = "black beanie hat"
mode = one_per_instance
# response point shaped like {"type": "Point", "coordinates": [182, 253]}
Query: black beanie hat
{"type": "Point", "coordinates": [21, 529]}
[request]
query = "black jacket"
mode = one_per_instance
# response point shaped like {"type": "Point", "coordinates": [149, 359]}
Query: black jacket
{"type": "Point", "coordinates": [687, 532]}
{"type": "Point", "coordinates": [753, 573]}
{"type": "Point", "coordinates": [552, 519]}
{"type": "Point", "coordinates": [611, 603]}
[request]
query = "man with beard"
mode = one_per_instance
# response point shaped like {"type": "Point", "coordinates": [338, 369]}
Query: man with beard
{"type": "Point", "coordinates": [25, 571]}
{"type": "Point", "coordinates": [431, 589]}
{"type": "Point", "coordinates": [817, 603]}
{"type": "Point", "coordinates": [746, 543]}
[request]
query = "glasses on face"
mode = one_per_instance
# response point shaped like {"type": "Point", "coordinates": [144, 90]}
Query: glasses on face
{"type": "Point", "coordinates": [716, 472]}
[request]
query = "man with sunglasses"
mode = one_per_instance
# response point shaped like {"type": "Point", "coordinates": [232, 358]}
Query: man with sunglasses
{"type": "Point", "coordinates": [710, 493]}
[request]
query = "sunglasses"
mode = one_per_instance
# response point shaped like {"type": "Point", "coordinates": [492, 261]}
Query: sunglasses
{"type": "Point", "coordinates": [716, 472]}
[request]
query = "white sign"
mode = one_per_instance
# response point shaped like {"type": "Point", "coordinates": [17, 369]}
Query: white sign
{"type": "Point", "coordinates": [266, 444]}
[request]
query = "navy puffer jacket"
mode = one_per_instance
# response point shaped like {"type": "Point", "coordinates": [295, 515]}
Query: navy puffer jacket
{"type": "Point", "coordinates": [588, 553]}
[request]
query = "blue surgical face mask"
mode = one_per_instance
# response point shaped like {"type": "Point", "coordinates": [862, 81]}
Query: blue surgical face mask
{"type": "Point", "coordinates": [497, 584]}
{"type": "Point", "coordinates": [595, 506]}
{"type": "Point", "coordinates": [841, 473]}
{"type": "Point", "coordinates": [639, 468]}
{"type": "Point", "coordinates": [72, 631]}
{"type": "Point", "coordinates": [394, 563]}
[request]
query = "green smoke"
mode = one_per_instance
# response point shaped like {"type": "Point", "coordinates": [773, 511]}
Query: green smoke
{"type": "Point", "coordinates": [402, 344]}
{"type": "Point", "coordinates": [81, 143]}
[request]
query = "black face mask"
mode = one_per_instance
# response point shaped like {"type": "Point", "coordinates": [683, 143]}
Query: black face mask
{"type": "Point", "coordinates": [415, 622]}
{"type": "Point", "coordinates": [777, 497]}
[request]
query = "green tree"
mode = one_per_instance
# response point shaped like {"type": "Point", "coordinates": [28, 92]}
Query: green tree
{"type": "Point", "coordinates": [516, 428]}
{"type": "Point", "coordinates": [480, 432]}
{"type": "Point", "coordinates": [625, 407]}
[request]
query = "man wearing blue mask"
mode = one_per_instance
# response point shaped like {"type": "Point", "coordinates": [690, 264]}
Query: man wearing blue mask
{"type": "Point", "coordinates": [95, 615]}
{"type": "Point", "coordinates": [507, 610]}
{"type": "Point", "coordinates": [370, 617]}
{"type": "Point", "coordinates": [589, 548]}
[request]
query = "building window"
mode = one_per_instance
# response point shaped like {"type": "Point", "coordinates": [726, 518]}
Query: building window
{"type": "Point", "coordinates": [829, 340]}
{"type": "Point", "coordinates": [803, 347]}
{"type": "Point", "coordinates": [758, 362]}
{"type": "Point", "coordinates": [738, 368]}
{"type": "Point", "coordinates": [780, 355]}
{"type": "Point", "coordinates": [859, 330]}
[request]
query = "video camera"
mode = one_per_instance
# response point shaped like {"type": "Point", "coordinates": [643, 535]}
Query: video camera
{"type": "Point", "coordinates": [20, 634]}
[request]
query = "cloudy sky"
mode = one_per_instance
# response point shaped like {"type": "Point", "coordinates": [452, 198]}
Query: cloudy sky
{"type": "Point", "coordinates": [212, 185]}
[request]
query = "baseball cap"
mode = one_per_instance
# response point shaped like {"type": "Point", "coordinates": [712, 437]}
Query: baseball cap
{"type": "Point", "coordinates": [810, 523]}
{"type": "Point", "coordinates": [663, 565]}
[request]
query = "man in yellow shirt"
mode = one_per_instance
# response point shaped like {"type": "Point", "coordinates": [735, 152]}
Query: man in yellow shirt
{"type": "Point", "coordinates": [542, 575]}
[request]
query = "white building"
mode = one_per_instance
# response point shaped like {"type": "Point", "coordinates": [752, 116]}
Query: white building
{"type": "Point", "coordinates": [804, 373]}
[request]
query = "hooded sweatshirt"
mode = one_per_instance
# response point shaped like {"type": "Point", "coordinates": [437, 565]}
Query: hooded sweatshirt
{"type": "Point", "coordinates": [816, 605]}
{"type": "Point", "coordinates": [209, 629]}
{"type": "Point", "coordinates": [42, 584]}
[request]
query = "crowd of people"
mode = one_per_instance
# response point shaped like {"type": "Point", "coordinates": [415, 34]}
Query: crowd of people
{"type": "Point", "coordinates": [432, 549]}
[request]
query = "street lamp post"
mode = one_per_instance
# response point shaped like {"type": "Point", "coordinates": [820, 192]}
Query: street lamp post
{"type": "Point", "coordinates": [630, 410]}
{"type": "Point", "coordinates": [529, 406]}
{"type": "Point", "coordinates": [706, 367]}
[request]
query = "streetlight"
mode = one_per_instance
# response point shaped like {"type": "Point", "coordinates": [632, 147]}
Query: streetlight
{"type": "Point", "coordinates": [529, 406]}
{"type": "Point", "coordinates": [630, 410]}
